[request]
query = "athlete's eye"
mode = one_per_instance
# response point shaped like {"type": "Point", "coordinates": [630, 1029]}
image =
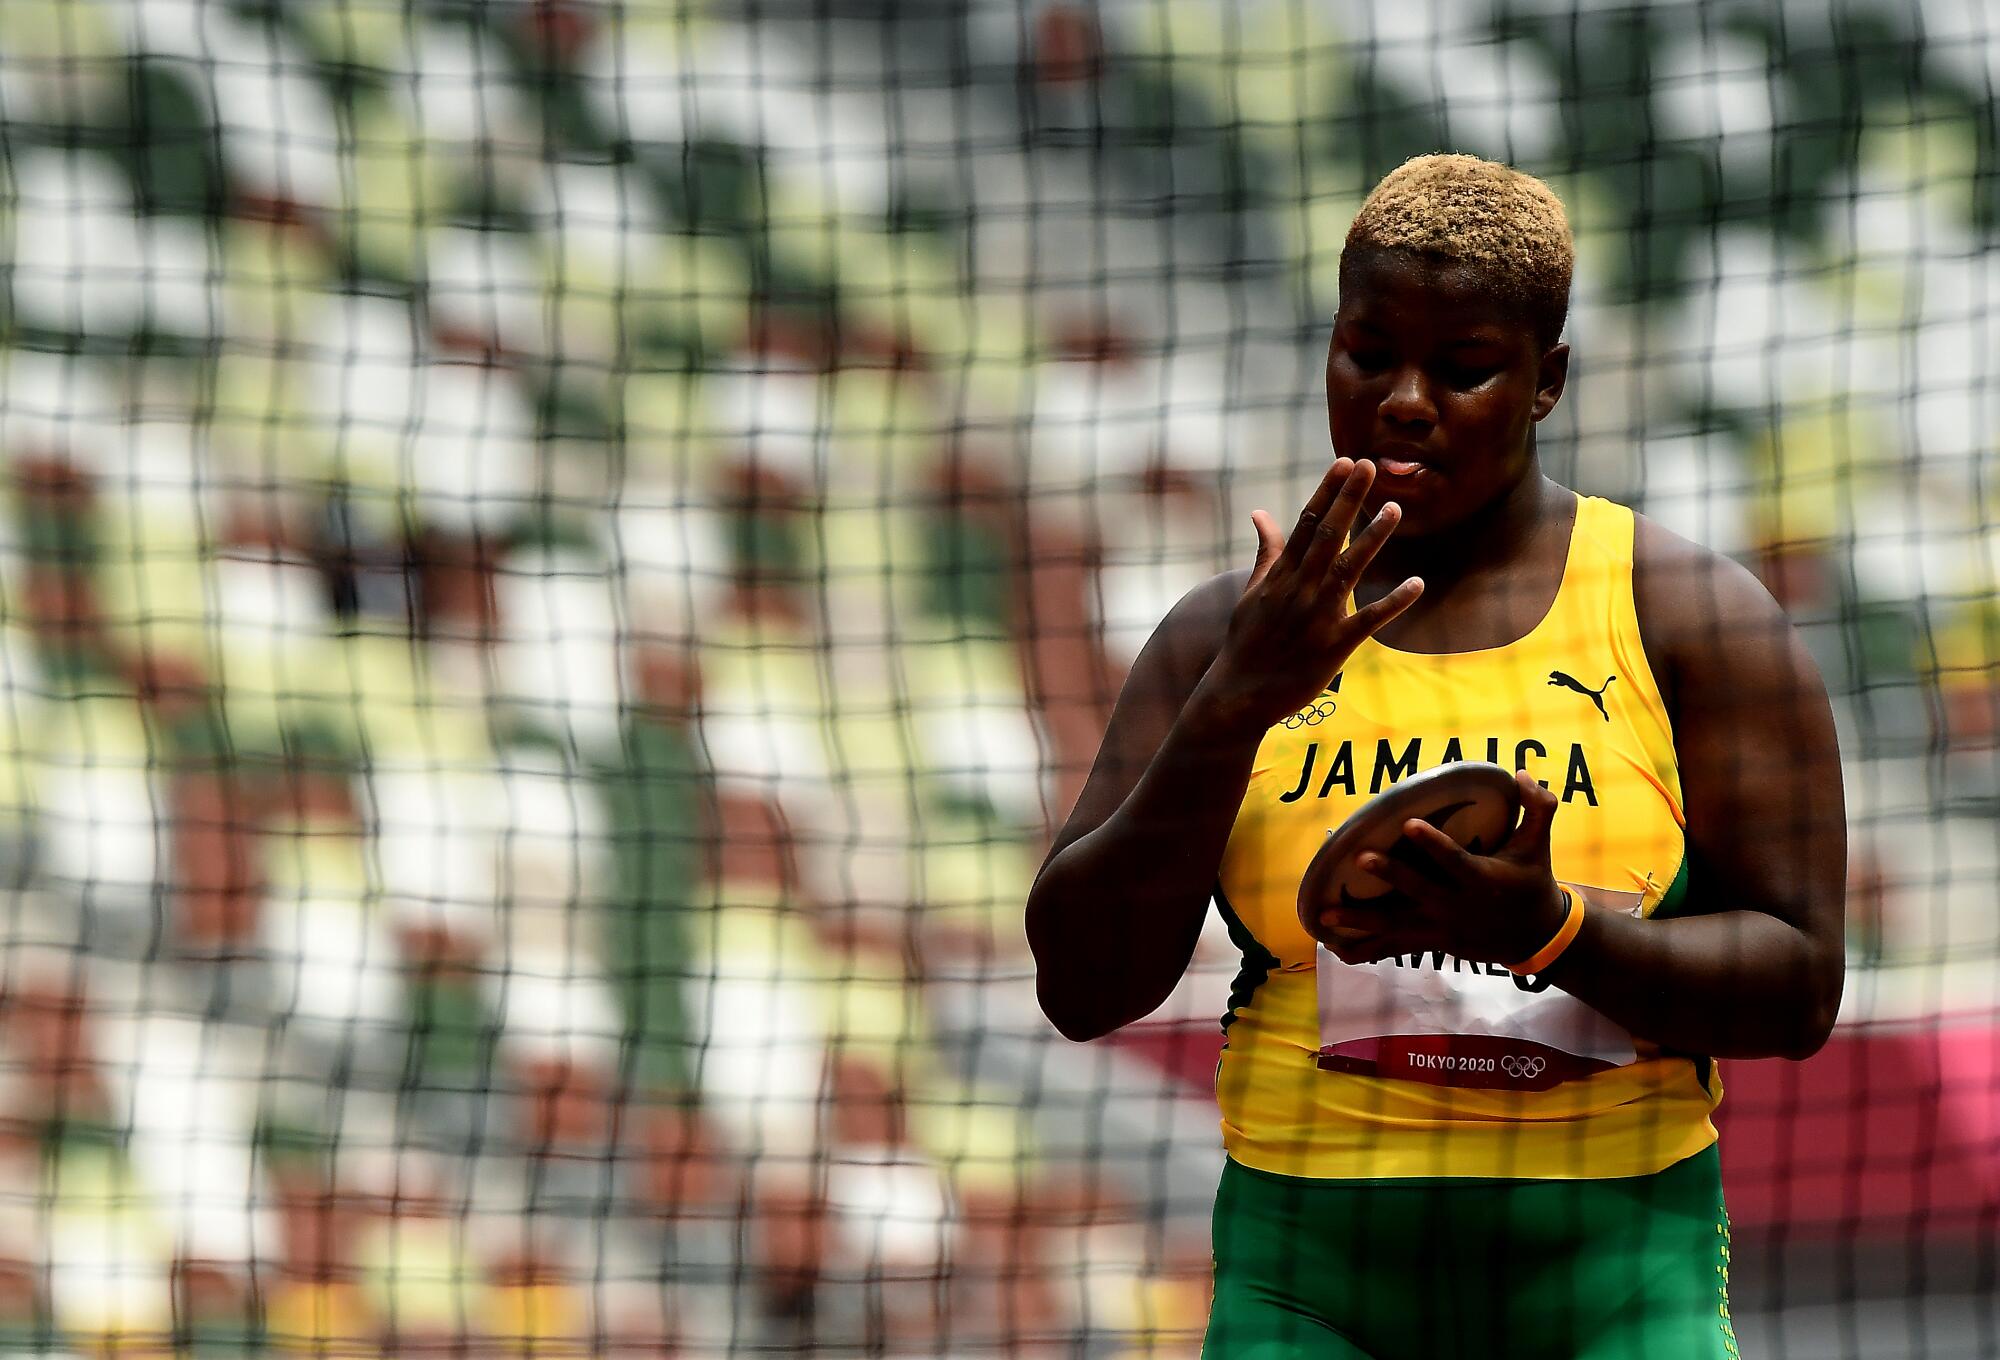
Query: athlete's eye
{"type": "Point", "coordinates": [1464, 377]}
{"type": "Point", "coordinates": [1369, 360]}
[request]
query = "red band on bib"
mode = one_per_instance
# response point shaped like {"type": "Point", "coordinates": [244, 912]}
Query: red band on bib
{"type": "Point", "coordinates": [1480, 1061]}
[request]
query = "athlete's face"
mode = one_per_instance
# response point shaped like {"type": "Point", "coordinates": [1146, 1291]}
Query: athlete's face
{"type": "Point", "coordinates": [1438, 381]}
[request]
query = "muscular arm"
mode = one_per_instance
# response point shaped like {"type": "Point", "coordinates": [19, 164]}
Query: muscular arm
{"type": "Point", "coordinates": [1118, 904]}
{"type": "Point", "coordinates": [1754, 965]}
{"type": "Point", "coordinates": [1115, 911]}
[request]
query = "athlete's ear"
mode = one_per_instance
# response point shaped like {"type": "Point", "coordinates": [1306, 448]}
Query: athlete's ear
{"type": "Point", "coordinates": [1549, 380]}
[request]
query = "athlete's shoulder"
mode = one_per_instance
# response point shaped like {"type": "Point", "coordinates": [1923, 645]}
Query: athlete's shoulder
{"type": "Point", "coordinates": [1202, 615]}
{"type": "Point", "coordinates": [1186, 641]}
{"type": "Point", "coordinates": [1681, 580]}
{"type": "Point", "coordinates": [1699, 609]}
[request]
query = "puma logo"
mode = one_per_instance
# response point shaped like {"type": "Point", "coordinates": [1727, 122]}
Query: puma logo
{"type": "Point", "coordinates": [1567, 681]}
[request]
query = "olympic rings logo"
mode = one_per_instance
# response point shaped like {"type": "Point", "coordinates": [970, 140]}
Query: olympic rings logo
{"type": "Point", "coordinates": [1522, 1068]}
{"type": "Point", "coordinates": [1318, 713]}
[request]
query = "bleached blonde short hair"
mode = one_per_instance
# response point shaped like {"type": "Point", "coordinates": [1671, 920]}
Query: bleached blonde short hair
{"type": "Point", "coordinates": [1492, 218]}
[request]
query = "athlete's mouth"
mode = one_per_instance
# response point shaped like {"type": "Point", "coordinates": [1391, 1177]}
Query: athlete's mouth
{"type": "Point", "coordinates": [1404, 461]}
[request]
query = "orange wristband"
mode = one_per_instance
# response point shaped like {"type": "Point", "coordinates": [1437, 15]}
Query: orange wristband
{"type": "Point", "coordinates": [1565, 936]}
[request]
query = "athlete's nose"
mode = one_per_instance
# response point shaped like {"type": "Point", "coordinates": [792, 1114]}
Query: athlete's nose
{"type": "Point", "coordinates": [1408, 401]}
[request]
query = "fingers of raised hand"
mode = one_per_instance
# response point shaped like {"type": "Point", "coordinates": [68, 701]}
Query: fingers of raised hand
{"type": "Point", "coordinates": [1270, 545]}
{"type": "Point", "coordinates": [1379, 614]}
{"type": "Point", "coordinates": [1346, 569]}
{"type": "Point", "coordinates": [1304, 534]}
{"type": "Point", "coordinates": [1330, 537]}
{"type": "Point", "coordinates": [1376, 532]}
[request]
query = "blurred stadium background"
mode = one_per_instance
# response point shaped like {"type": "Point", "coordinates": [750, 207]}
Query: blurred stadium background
{"type": "Point", "coordinates": [563, 558]}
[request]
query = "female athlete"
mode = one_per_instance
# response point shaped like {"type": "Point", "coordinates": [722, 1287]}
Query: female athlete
{"type": "Point", "coordinates": [1476, 1123]}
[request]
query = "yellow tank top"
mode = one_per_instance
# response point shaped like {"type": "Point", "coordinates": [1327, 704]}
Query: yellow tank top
{"type": "Point", "coordinates": [1428, 1065]}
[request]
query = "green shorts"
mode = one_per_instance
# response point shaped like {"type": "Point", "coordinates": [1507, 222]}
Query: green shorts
{"type": "Point", "coordinates": [1410, 1269]}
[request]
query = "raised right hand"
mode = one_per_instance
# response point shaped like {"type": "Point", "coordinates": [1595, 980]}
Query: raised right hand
{"type": "Point", "coordinates": [1295, 625]}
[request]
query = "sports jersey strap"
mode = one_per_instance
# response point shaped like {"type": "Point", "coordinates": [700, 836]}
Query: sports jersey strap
{"type": "Point", "coordinates": [1613, 531]}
